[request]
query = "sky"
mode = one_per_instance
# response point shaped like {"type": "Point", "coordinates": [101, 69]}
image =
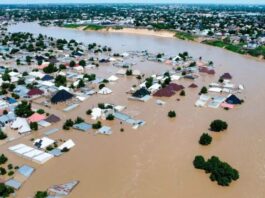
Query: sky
{"type": "Point", "coordinates": [133, 1]}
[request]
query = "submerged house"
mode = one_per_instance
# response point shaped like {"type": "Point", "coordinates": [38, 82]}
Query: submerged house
{"type": "Point", "coordinates": [141, 94]}
{"type": "Point", "coordinates": [169, 90]}
{"type": "Point", "coordinates": [226, 76]}
{"type": "Point", "coordinates": [234, 100]}
{"type": "Point", "coordinates": [61, 96]}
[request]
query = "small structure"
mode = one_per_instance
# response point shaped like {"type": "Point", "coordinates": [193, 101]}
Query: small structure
{"type": "Point", "coordinates": [35, 92]}
{"type": "Point", "coordinates": [21, 125]}
{"type": "Point", "coordinates": [105, 91]}
{"type": "Point", "coordinates": [36, 117]}
{"type": "Point", "coordinates": [82, 126]}
{"type": "Point", "coordinates": [193, 85]}
{"type": "Point", "coordinates": [68, 144]}
{"type": "Point", "coordinates": [63, 189]}
{"type": "Point", "coordinates": [234, 100]}
{"type": "Point", "coordinates": [43, 142]}
{"type": "Point", "coordinates": [105, 130]}
{"type": "Point", "coordinates": [226, 76]}
{"type": "Point", "coordinates": [52, 119]}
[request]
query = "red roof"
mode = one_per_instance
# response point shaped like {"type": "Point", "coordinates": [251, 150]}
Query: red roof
{"type": "Point", "coordinates": [206, 70]}
{"type": "Point", "coordinates": [35, 91]}
{"type": "Point", "coordinates": [169, 90]}
{"type": "Point", "coordinates": [193, 85]}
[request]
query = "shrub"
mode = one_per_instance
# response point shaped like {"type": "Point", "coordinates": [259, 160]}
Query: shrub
{"type": "Point", "coordinates": [68, 123]}
{"type": "Point", "coordinates": [41, 111]}
{"type": "Point", "coordinates": [182, 93]}
{"type": "Point", "coordinates": [205, 139]}
{"type": "Point", "coordinates": [34, 126]}
{"type": "Point", "coordinates": [79, 120]}
{"type": "Point", "coordinates": [110, 117]}
{"type": "Point", "coordinates": [65, 149]}
{"type": "Point", "coordinates": [5, 191]}
{"type": "Point", "coordinates": [41, 194]}
{"type": "Point", "coordinates": [101, 86]}
{"type": "Point", "coordinates": [2, 135]}
{"type": "Point", "coordinates": [171, 114]}
{"type": "Point", "coordinates": [3, 159]}
{"type": "Point", "coordinates": [218, 125]}
{"type": "Point", "coordinates": [204, 90]}
{"type": "Point", "coordinates": [122, 129]}
{"type": "Point", "coordinates": [10, 166]}
{"type": "Point", "coordinates": [96, 125]}
{"type": "Point", "coordinates": [88, 112]}
{"type": "Point", "coordinates": [199, 162]}
{"type": "Point", "coordinates": [128, 72]}
{"type": "Point", "coordinates": [2, 171]}
{"type": "Point", "coordinates": [10, 173]}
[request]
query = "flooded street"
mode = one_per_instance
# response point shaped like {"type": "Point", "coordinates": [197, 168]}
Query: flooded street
{"type": "Point", "coordinates": [156, 160]}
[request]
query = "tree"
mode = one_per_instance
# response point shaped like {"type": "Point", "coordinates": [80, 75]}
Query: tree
{"type": "Point", "coordinates": [204, 90]}
{"type": "Point", "coordinates": [110, 117]}
{"type": "Point", "coordinates": [2, 135]}
{"type": "Point", "coordinates": [2, 171]}
{"type": "Point", "coordinates": [101, 86]}
{"type": "Point", "coordinates": [40, 111]}
{"type": "Point", "coordinates": [60, 81]}
{"type": "Point", "coordinates": [72, 63]}
{"type": "Point", "coordinates": [34, 126]}
{"type": "Point", "coordinates": [82, 63]}
{"type": "Point", "coordinates": [41, 194]}
{"type": "Point", "coordinates": [81, 84]}
{"type": "Point", "coordinates": [3, 159]}
{"type": "Point", "coordinates": [205, 139]}
{"type": "Point", "coordinates": [79, 120]}
{"type": "Point", "coordinates": [199, 162]}
{"type": "Point", "coordinates": [218, 125]}
{"type": "Point", "coordinates": [50, 69]}
{"type": "Point", "coordinates": [128, 72]}
{"type": "Point", "coordinates": [23, 109]}
{"type": "Point", "coordinates": [5, 191]}
{"type": "Point", "coordinates": [88, 112]}
{"type": "Point", "coordinates": [68, 123]}
{"type": "Point", "coordinates": [5, 76]}
{"type": "Point", "coordinates": [182, 93]}
{"type": "Point", "coordinates": [171, 114]}
{"type": "Point", "coordinates": [96, 125]}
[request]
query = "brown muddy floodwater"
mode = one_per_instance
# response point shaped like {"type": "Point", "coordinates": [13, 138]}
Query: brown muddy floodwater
{"type": "Point", "coordinates": [155, 161]}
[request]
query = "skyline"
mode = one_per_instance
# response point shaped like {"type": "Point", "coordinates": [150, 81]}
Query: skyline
{"type": "Point", "coordinates": [260, 2]}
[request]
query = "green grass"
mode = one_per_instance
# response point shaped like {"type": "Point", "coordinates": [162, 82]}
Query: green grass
{"type": "Point", "coordinates": [259, 51]}
{"type": "Point", "coordinates": [184, 36]}
{"type": "Point", "coordinates": [231, 47]}
{"type": "Point", "coordinates": [94, 27]}
{"type": "Point", "coordinates": [72, 26]}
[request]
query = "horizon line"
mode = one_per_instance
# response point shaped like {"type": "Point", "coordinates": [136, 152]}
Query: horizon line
{"type": "Point", "coordinates": [136, 3]}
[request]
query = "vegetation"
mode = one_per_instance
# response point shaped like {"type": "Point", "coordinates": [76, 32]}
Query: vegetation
{"type": "Point", "coordinates": [68, 124]}
{"type": "Point", "coordinates": [97, 125]}
{"type": "Point", "coordinates": [94, 27]}
{"type": "Point", "coordinates": [182, 93]}
{"type": "Point", "coordinates": [3, 159]}
{"type": "Point", "coordinates": [205, 139]}
{"type": "Point", "coordinates": [5, 191]}
{"type": "Point", "coordinates": [23, 109]}
{"type": "Point", "coordinates": [2, 135]}
{"type": "Point", "coordinates": [110, 117]}
{"type": "Point", "coordinates": [60, 81]}
{"type": "Point", "coordinates": [218, 125]}
{"type": "Point", "coordinates": [34, 126]}
{"type": "Point", "coordinates": [204, 90]}
{"type": "Point", "coordinates": [184, 36]}
{"type": "Point", "coordinates": [171, 114]}
{"type": "Point", "coordinates": [41, 194]}
{"type": "Point", "coordinates": [219, 171]}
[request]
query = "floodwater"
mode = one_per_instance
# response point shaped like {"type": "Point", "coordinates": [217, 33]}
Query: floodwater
{"type": "Point", "coordinates": [156, 160]}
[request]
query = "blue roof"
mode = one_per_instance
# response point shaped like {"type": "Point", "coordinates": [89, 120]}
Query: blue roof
{"type": "Point", "coordinates": [11, 100]}
{"type": "Point", "coordinates": [56, 152]}
{"type": "Point", "coordinates": [13, 183]}
{"type": "Point", "coordinates": [26, 170]}
{"type": "Point", "coordinates": [121, 116]}
{"type": "Point", "coordinates": [47, 77]}
{"type": "Point", "coordinates": [83, 126]}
